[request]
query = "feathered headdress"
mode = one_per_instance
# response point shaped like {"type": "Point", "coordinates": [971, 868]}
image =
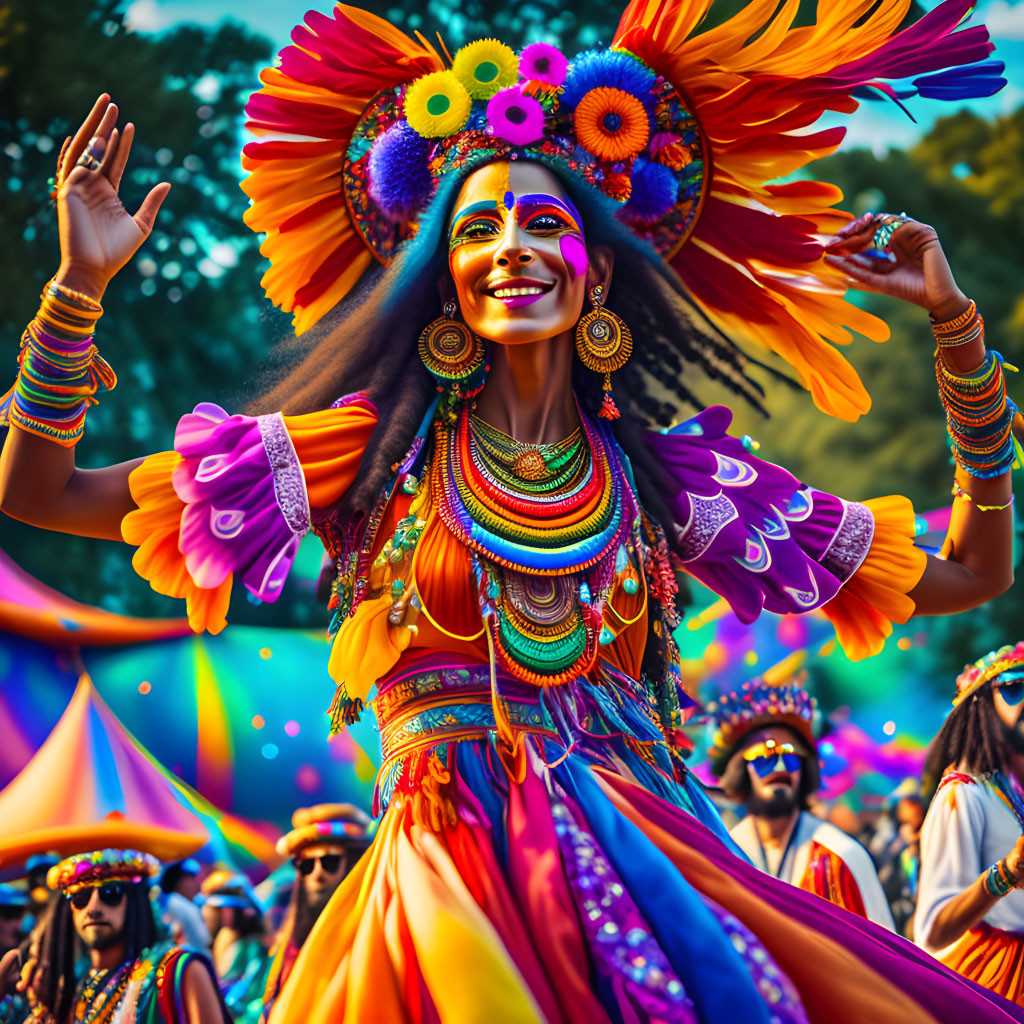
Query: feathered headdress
{"type": "Point", "coordinates": [685, 130]}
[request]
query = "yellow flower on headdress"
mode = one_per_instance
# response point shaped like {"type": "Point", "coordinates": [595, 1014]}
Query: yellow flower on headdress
{"type": "Point", "coordinates": [486, 66]}
{"type": "Point", "coordinates": [611, 123]}
{"type": "Point", "coordinates": [437, 105]}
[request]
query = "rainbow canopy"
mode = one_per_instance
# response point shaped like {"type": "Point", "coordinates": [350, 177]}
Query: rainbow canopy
{"type": "Point", "coordinates": [90, 786]}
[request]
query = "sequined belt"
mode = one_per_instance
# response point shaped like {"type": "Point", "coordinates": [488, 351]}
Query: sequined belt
{"type": "Point", "coordinates": [423, 708]}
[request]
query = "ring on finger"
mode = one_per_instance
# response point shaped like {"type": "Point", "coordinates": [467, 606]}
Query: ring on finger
{"type": "Point", "coordinates": [87, 160]}
{"type": "Point", "coordinates": [888, 228]}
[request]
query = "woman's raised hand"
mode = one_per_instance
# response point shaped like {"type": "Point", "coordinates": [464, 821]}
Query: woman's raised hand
{"type": "Point", "coordinates": [98, 236]}
{"type": "Point", "coordinates": [906, 262]}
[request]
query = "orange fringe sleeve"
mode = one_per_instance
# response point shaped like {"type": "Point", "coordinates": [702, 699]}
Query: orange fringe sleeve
{"type": "Point", "coordinates": [153, 529]}
{"type": "Point", "coordinates": [876, 596]}
{"type": "Point", "coordinates": [329, 446]}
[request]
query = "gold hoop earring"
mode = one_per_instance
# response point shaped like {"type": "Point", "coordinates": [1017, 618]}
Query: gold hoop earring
{"type": "Point", "coordinates": [604, 344]}
{"type": "Point", "coordinates": [453, 355]}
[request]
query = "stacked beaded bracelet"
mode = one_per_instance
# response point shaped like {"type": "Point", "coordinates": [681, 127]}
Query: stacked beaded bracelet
{"type": "Point", "coordinates": [962, 330]}
{"type": "Point", "coordinates": [60, 369]}
{"type": "Point", "coordinates": [979, 416]}
{"type": "Point", "coordinates": [999, 881]}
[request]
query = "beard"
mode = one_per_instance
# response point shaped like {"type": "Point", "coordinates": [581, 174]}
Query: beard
{"type": "Point", "coordinates": [781, 804]}
{"type": "Point", "coordinates": [101, 938]}
{"type": "Point", "coordinates": [306, 913]}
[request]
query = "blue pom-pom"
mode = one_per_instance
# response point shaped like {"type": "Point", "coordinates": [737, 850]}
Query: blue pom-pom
{"type": "Point", "coordinates": [400, 181]}
{"type": "Point", "coordinates": [653, 194]}
{"type": "Point", "coordinates": [608, 68]}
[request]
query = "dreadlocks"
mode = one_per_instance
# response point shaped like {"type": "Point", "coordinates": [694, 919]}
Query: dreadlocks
{"type": "Point", "coordinates": [973, 737]}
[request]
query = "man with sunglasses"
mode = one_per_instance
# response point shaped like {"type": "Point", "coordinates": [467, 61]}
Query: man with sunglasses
{"type": "Point", "coordinates": [970, 907]}
{"type": "Point", "coordinates": [763, 751]}
{"type": "Point", "coordinates": [104, 903]}
{"type": "Point", "coordinates": [325, 842]}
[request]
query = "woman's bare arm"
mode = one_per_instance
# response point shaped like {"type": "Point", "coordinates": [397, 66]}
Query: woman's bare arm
{"type": "Point", "coordinates": [966, 909]}
{"type": "Point", "coordinates": [39, 481]}
{"type": "Point", "coordinates": [978, 564]}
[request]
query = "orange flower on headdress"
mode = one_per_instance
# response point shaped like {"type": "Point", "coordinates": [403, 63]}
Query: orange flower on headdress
{"type": "Point", "coordinates": [611, 123]}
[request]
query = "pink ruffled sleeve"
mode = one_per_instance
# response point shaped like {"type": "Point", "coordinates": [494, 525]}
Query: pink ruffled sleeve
{"type": "Point", "coordinates": [233, 500]}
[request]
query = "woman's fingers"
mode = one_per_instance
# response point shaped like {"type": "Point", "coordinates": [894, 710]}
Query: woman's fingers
{"type": "Point", "coordinates": [85, 133]}
{"type": "Point", "coordinates": [111, 153]}
{"type": "Point", "coordinates": [867, 272]}
{"type": "Point", "coordinates": [146, 216]}
{"type": "Point", "coordinates": [90, 160]}
{"type": "Point", "coordinates": [120, 159]}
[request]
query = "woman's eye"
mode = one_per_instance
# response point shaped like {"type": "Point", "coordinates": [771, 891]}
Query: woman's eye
{"type": "Point", "coordinates": [478, 229]}
{"type": "Point", "coordinates": [545, 222]}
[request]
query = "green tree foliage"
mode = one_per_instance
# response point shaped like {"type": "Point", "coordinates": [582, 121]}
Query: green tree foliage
{"type": "Point", "coordinates": [183, 321]}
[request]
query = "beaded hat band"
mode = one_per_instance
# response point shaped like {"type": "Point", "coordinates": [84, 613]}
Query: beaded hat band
{"type": "Point", "coordinates": [99, 867]}
{"type": "Point", "coordinates": [1003, 666]}
{"type": "Point", "coordinates": [326, 825]}
{"type": "Point", "coordinates": [756, 705]}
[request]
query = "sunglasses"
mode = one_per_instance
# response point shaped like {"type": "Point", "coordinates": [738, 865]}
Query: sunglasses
{"type": "Point", "coordinates": [110, 893]}
{"type": "Point", "coordinates": [330, 862]}
{"type": "Point", "coordinates": [1012, 693]}
{"type": "Point", "coordinates": [766, 758]}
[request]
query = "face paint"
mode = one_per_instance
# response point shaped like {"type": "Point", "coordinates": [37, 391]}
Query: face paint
{"type": "Point", "coordinates": [574, 252]}
{"type": "Point", "coordinates": [517, 254]}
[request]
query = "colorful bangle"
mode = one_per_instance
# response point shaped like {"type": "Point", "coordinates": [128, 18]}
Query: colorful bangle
{"type": "Point", "coordinates": [979, 417]}
{"type": "Point", "coordinates": [79, 298]}
{"type": "Point", "coordinates": [57, 381]}
{"type": "Point", "coordinates": [961, 330]}
{"type": "Point", "coordinates": [999, 881]}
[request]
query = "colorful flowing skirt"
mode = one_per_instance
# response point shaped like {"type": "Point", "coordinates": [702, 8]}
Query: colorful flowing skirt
{"type": "Point", "coordinates": [565, 875]}
{"type": "Point", "coordinates": [991, 957]}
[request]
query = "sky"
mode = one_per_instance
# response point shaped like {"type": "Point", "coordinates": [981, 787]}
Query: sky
{"type": "Point", "coordinates": [876, 125]}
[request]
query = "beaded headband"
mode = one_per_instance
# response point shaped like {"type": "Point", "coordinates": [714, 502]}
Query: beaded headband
{"type": "Point", "coordinates": [682, 128]}
{"type": "Point", "coordinates": [755, 705]}
{"type": "Point", "coordinates": [1005, 664]}
{"type": "Point", "coordinates": [101, 866]}
{"type": "Point", "coordinates": [341, 824]}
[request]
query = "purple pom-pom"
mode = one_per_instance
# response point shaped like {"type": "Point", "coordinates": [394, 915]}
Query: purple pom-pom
{"type": "Point", "coordinates": [653, 194]}
{"type": "Point", "coordinates": [400, 181]}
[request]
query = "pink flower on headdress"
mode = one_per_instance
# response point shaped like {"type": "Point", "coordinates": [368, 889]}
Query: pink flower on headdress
{"type": "Point", "coordinates": [541, 62]}
{"type": "Point", "coordinates": [515, 117]}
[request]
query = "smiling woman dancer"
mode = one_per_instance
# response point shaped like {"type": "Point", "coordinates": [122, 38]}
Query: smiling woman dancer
{"type": "Point", "coordinates": [576, 236]}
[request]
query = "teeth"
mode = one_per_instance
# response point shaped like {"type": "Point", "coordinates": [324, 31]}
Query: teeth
{"type": "Point", "coordinates": [508, 293]}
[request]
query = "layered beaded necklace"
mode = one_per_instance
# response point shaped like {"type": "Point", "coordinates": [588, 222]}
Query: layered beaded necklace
{"type": "Point", "coordinates": [547, 526]}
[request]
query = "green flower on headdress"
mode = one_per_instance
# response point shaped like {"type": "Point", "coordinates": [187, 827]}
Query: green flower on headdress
{"type": "Point", "coordinates": [485, 67]}
{"type": "Point", "coordinates": [437, 105]}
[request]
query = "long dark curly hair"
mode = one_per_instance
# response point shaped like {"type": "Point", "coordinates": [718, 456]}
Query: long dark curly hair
{"type": "Point", "coordinates": [368, 343]}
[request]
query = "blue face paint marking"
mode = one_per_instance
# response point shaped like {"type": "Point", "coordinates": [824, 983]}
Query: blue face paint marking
{"type": "Point", "coordinates": [510, 200]}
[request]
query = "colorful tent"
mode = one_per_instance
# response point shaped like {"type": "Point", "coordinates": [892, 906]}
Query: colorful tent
{"type": "Point", "coordinates": [89, 786]}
